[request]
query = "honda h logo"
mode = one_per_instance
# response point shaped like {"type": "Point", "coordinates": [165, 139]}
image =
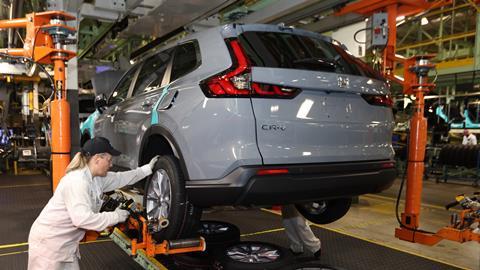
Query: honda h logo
{"type": "Point", "coordinates": [343, 82]}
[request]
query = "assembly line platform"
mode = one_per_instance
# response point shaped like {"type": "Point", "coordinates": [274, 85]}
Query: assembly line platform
{"type": "Point", "coordinates": [23, 197]}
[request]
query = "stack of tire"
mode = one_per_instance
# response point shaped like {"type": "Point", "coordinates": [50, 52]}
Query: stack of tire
{"type": "Point", "coordinates": [218, 235]}
{"type": "Point", "coordinates": [460, 155]}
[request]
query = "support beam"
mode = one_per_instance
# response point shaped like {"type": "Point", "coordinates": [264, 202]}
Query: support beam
{"type": "Point", "coordinates": [276, 11]}
{"type": "Point", "coordinates": [476, 54]}
{"type": "Point", "coordinates": [333, 22]}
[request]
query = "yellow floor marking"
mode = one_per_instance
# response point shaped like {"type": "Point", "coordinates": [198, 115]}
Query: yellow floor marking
{"type": "Point", "coordinates": [13, 253]}
{"type": "Point", "coordinates": [13, 245]}
{"type": "Point", "coordinates": [373, 242]}
{"type": "Point", "coordinates": [30, 185]}
{"type": "Point", "coordinates": [262, 232]}
{"type": "Point", "coordinates": [26, 244]}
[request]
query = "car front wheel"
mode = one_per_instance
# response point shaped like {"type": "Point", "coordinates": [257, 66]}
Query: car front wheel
{"type": "Point", "coordinates": [169, 213]}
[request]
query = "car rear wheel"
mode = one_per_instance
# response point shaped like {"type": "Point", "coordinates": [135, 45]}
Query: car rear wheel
{"type": "Point", "coordinates": [169, 213]}
{"type": "Point", "coordinates": [324, 212]}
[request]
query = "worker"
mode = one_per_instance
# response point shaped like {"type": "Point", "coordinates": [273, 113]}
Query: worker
{"type": "Point", "coordinates": [54, 238]}
{"type": "Point", "coordinates": [469, 138]}
{"type": "Point", "coordinates": [299, 232]}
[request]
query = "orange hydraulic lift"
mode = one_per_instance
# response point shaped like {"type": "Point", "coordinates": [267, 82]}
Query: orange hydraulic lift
{"type": "Point", "coordinates": [46, 35]}
{"type": "Point", "coordinates": [415, 81]}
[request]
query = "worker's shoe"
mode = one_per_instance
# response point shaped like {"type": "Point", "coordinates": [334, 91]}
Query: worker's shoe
{"type": "Point", "coordinates": [318, 254]}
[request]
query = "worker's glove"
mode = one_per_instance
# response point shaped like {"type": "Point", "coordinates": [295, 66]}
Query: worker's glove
{"type": "Point", "coordinates": [122, 215]}
{"type": "Point", "coordinates": [153, 161]}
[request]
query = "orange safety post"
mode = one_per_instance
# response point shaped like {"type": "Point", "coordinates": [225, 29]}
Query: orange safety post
{"type": "Point", "coordinates": [60, 120]}
{"type": "Point", "coordinates": [416, 156]}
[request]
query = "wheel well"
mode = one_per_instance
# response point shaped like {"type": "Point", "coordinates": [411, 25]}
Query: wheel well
{"type": "Point", "coordinates": [155, 145]}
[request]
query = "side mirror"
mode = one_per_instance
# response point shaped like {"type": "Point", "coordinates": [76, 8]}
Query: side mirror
{"type": "Point", "coordinates": [100, 102]}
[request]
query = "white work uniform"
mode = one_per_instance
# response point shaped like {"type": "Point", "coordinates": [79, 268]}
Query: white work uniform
{"type": "Point", "coordinates": [298, 231]}
{"type": "Point", "coordinates": [74, 208]}
{"type": "Point", "coordinates": [470, 140]}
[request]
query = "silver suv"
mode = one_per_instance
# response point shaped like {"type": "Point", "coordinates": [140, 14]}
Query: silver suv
{"type": "Point", "coordinates": [251, 115]}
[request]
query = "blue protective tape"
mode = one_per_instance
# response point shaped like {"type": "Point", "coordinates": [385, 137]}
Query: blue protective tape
{"type": "Point", "coordinates": [89, 123]}
{"type": "Point", "coordinates": [154, 113]}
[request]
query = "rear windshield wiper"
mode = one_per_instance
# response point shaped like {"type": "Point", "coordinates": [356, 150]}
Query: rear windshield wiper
{"type": "Point", "coordinates": [315, 64]}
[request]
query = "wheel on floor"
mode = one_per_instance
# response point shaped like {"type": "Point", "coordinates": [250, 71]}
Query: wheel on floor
{"type": "Point", "coordinates": [217, 235]}
{"type": "Point", "coordinates": [252, 255]}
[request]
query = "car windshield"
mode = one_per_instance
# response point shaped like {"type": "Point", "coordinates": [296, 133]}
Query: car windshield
{"type": "Point", "coordinates": [286, 50]}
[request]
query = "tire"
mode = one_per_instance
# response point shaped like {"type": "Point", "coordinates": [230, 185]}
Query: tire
{"type": "Point", "coordinates": [252, 256]}
{"type": "Point", "coordinates": [167, 184]}
{"type": "Point", "coordinates": [470, 157]}
{"type": "Point", "coordinates": [218, 234]}
{"type": "Point", "coordinates": [325, 212]}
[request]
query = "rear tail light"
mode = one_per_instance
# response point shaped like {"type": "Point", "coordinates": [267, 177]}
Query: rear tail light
{"type": "Point", "coordinates": [379, 100]}
{"type": "Point", "coordinates": [388, 165]}
{"type": "Point", "coordinates": [272, 171]}
{"type": "Point", "coordinates": [236, 81]}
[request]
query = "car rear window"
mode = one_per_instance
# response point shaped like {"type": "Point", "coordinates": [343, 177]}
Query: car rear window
{"type": "Point", "coordinates": [286, 50]}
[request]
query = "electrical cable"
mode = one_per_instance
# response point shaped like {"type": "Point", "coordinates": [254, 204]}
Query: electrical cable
{"type": "Point", "coordinates": [358, 31]}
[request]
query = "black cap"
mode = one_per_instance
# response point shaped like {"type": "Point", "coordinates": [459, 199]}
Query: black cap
{"type": "Point", "coordinates": [98, 145]}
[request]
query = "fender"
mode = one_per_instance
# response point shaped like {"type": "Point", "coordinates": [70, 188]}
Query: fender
{"type": "Point", "coordinates": [158, 130]}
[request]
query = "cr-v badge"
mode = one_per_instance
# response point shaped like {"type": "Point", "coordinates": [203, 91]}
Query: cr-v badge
{"type": "Point", "coordinates": [274, 127]}
{"type": "Point", "coordinates": [343, 82]}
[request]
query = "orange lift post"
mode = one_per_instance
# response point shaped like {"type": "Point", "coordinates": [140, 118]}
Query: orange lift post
{"type": "Point", "coordinates": [46, 35]}
{"type": "Point", "coordinates": [414, 82]}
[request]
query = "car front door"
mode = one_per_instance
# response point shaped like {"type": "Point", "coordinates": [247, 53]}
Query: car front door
{"type": "Point", "coordinates": [106, 124]}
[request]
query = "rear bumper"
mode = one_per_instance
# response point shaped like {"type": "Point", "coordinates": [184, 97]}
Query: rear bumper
{"type": "Point", "coordinates": [303, 183]}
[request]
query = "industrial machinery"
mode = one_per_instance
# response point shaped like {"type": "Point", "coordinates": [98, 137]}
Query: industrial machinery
{"type": "Point", "coordinates": [415, 82]}
{"type": "Point", "coordinates": [134, 236]}
{"type": "Point", "coordinates": [46, 37]}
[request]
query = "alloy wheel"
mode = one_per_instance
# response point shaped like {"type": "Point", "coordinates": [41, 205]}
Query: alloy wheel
{"type": "Point", "coordinates": [159, 200]}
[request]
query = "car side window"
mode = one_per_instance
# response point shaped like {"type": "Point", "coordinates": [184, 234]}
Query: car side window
{"type": "Point", "coordinates": [152, 73]}
{"type": "Point", "coordinates": [186, 59]}
{"type": "Point", "coordinates": [121, 90]}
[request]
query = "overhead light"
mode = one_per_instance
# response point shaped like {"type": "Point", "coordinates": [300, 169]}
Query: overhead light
{"type": "Point", "coordinates": [400, 18]}
{"type": "Point", "coordinates": [424, 21]}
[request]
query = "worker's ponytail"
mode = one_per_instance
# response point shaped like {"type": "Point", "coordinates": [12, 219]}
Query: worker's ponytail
{"type": "Point", "coordinates": [79, 161]}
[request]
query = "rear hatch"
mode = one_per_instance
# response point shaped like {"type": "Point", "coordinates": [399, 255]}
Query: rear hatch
{"type": "Point", "coordinates": [328, 106]}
